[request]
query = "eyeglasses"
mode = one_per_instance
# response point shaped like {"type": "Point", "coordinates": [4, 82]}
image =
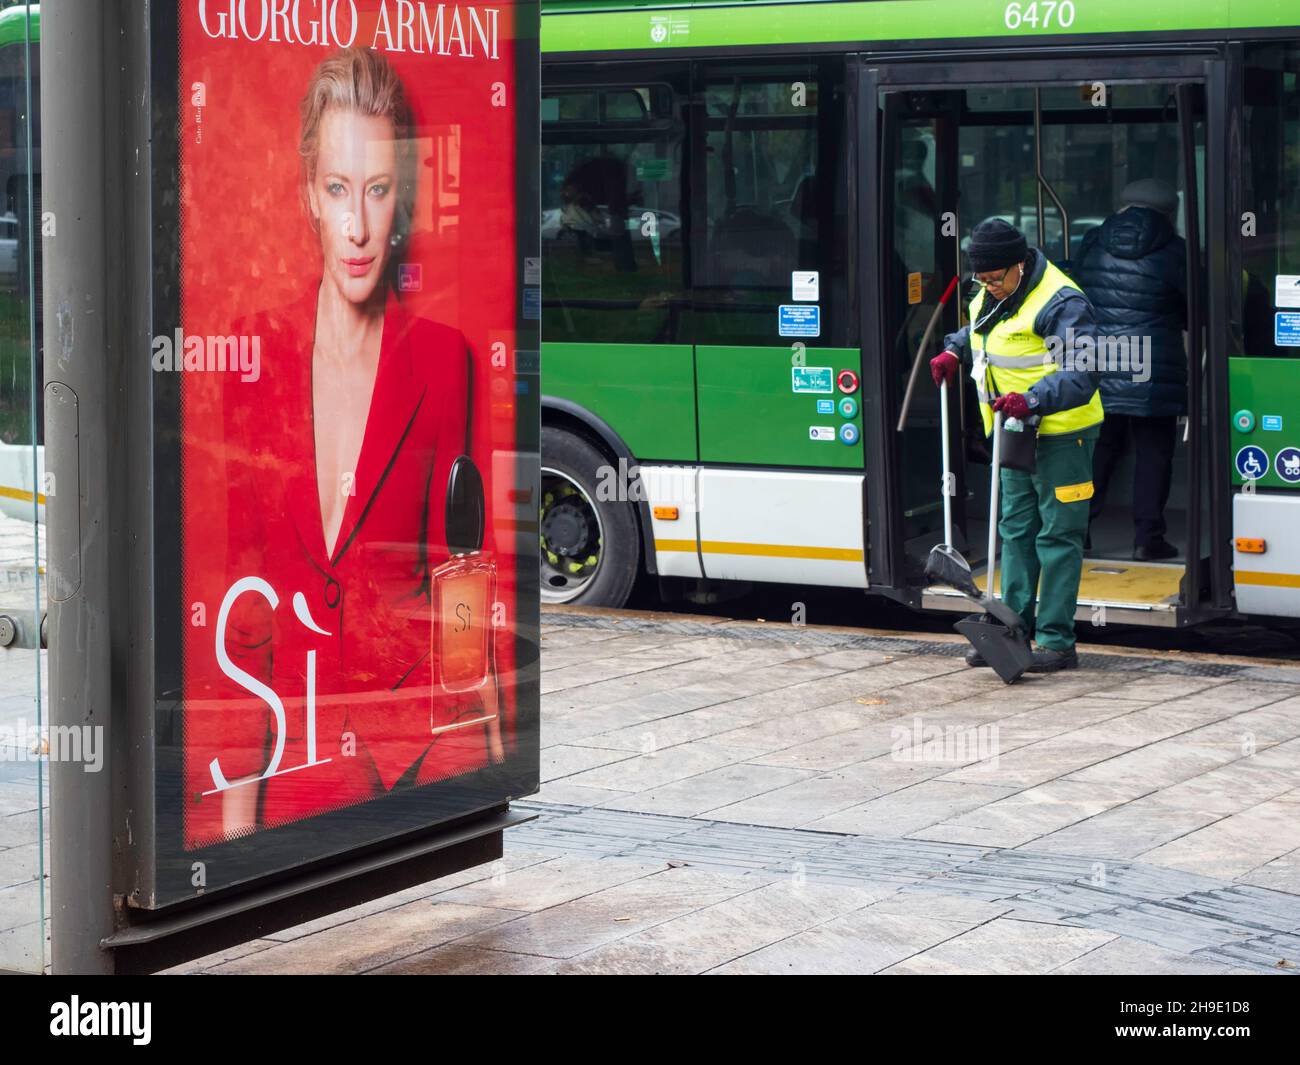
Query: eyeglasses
{"type": "Point", "coordinates": [985, 284]}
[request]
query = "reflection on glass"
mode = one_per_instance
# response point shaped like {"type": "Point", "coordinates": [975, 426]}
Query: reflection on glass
{"type": "Point", "coordinates": [23, 742]}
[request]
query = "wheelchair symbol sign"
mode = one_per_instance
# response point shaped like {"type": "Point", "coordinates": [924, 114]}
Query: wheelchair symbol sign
{"type": "Point", "coordinates": [1288, 465]}
{"type": "Point", "coordinates": [1252, 462]}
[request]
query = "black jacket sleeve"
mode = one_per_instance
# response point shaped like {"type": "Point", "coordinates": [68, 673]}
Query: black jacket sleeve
{"type": "Point", "coordinates": [959, 343]}
{"type": "Point", "coordinates": [1067, 317]}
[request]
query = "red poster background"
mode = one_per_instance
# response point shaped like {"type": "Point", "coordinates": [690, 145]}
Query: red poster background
{"type": "Point", "coordinates": [248, 253]}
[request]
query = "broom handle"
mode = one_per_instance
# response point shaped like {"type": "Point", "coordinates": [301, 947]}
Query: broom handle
{"type": "Point", "coordinates": [920, 351]}
{"type": "Point", "coordinates": [947, 469]}
{"type": "Point", "coordinates": [990, 592]}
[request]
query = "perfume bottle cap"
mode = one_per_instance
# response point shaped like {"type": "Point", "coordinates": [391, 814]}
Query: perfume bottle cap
{"type": "Point", "coordinates": [465, 507]}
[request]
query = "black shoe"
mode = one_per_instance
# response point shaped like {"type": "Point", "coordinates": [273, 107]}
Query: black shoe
{"type": "Point", "coordinates": [974, 659]}
{"type": "Point", "coordinates": [1047, 661]}
{"type": "Point", "coordinates": [1157, 549]}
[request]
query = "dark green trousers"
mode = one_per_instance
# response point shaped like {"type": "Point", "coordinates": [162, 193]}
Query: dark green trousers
{"type": "Point", "coordinates": [1044, 520]}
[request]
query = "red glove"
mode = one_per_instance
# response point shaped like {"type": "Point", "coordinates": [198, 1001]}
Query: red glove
{"type": "Point", "coordinates": [944, 368]}
{"type": "Point", "coordinates": [1013, 405]}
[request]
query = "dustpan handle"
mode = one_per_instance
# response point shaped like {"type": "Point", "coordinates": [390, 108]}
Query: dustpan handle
{"type": "Point", "coordinates": [947, 486]}
{"type": "Point", "coordinates": [995, 485]}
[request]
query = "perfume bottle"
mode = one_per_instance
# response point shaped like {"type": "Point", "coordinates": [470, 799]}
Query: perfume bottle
{"type": "Point", "coordinates": [462, 591]}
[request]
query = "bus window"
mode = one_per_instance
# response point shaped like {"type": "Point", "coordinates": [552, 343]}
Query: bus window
{"type": "Point", "coordinates": [19, 372]}
{"type": "Point", "coordinates": [1096, 139]}
{"type": "Point", "coordinates": [773, 200]}
{"type": "Point", "coordinates": [611, 214]}
{"type": "Point", "coordinates": [1271, 242]}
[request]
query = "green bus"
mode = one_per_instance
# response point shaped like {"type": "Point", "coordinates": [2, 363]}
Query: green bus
{"type": "Point", "coordinates": [751, 211]}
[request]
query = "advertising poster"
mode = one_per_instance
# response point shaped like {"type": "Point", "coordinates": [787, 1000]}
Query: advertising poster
{"type": "Point", "coordinates": [345, 442]}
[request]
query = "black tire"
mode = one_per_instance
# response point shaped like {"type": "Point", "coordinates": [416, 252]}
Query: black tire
{"type": "Point", "coordinates": [570, 538]}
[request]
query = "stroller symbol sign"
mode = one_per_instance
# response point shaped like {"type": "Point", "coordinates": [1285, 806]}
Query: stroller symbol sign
{"type": "Point", "coordinates": [1288, 465]}
{"type": "Point", "coordinates": [1252, 462]}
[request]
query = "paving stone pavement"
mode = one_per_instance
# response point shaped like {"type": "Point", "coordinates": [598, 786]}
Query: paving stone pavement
{"type": "Point", "coordinates": [739, 797]}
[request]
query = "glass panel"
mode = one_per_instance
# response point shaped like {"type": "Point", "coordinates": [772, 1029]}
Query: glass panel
{"type": "Point", "coordinates": [612, 215]}
{"type": "Point", "coordinates": [773, 206]}
{"type": "Point", "coordinates": [1090, 152]}
{"type": "Point", "coordinates": [1272, 197]}
{"type": "Point", "coordinates": [22, 595]}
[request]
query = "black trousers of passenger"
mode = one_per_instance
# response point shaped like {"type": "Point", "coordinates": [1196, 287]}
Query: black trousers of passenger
{"type": "Point", "coordinates": [1153, 442]}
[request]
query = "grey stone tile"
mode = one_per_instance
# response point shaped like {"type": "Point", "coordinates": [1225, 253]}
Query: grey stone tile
{"type": "Point", "coordinates": [212, 961]}
{"type": "Point", "coordinates": [712, 936]}
{"type": "Point", "coordinates": [798, 804]}
{"type": "Point", "coordinates": [564, 761]}
{"type": "Point", "coordinates": [540, 886]}
{"type": "Point", "coordinates": [658, 768]}
{"type": "Point", "coordinates": [862, 942]}
{"type": "Point", "coordinates": [609, 914]}
{"type": "Point", "coordinates": [708, 790]}
{"type": "Point", "coordinates": [371, 941]}
{"type": "Point", "coordinates": [1037, 811]}
{"type": "Point", "coordinates": [918, 806]}
{"type": "Point", "coordinates": [1006, 946]}
{"type": "Point", "coordinates": [1236, 845]}
{"type": "Point", "coordinates": [458, 959]}
{"type": "Point", "coordinates": [569, 794]}
{"type": "Point", "coordinates": [1040, 762]}
{"type": "Point", "coordinates": [1280, 874]}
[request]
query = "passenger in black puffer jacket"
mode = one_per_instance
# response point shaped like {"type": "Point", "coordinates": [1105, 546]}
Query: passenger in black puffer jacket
{"type": "Point", "coordinates": [1133, 269]}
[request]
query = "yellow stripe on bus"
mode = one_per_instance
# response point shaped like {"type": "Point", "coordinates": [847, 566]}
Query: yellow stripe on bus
{"type": "Point", "coordinates": [675, 545]}
{"type": "Point", "coordinates": [1268, 580]}
{"type": "Point", "coordinates": [829, 554]}
{"type": "Point", "coordinates": [19, 493]}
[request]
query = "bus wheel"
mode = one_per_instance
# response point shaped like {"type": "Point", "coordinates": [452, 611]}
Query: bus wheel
{"type": "Point", "coordinates": [589, 546]}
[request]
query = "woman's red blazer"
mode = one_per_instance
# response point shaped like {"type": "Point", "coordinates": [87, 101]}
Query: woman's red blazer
{"type": "Point", "coordinates": [376, 703]}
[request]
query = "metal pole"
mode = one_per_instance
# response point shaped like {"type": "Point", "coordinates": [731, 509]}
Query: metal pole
{"type": "Point", "coordinates": [1044, 184]}
{"type": "Point", "coordinates": [995, 483]}
{"type": "Point", "coordinates": [77, 349]}
{"type": "Point", "coordinates": [947, 469]}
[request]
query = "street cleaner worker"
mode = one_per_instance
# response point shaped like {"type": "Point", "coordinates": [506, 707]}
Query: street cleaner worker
{"type": "Point", "coordinates": [1031, 348]}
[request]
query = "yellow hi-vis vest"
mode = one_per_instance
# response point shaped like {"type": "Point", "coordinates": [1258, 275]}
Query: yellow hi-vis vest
{"type": "Point", "coordinates": [1018, 358]}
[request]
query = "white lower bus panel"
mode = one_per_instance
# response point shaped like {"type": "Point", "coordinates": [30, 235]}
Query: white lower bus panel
{"type": "Point", "coordinates": [794, 528]}
{"type": "Point", "coordinates": [673, 489]}
{"type": "Point", "coordinates": [1267, 582]}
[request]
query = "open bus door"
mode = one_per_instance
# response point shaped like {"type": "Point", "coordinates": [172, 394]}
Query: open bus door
{"type": "Point", "coordinates": [1050, 153]}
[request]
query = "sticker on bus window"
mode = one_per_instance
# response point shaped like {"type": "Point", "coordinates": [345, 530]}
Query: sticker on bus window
{"type": "Point", "coordinates": [1287, 290]}
{"type": "Point", "coordinates": [805, 285]}
{"type": "Point", "coordinates": [821, 432]}
{"type": "Point", "coordinates": [799, 321]}
{"type": "Point", "coordinates": [826, 406]}
{"type": "Point", "coordinates": [532, 303]}
{"type": "Point", "coordinates": [654, 169]}
{"type": "Point", "coordinates": [812, 379]}
{"type": "Point", "coordinates": [1286, 329]}
{"type": "Point", "coordinates": [913, 289]}
{"type": "Point", "coordinates": [1271, 423]}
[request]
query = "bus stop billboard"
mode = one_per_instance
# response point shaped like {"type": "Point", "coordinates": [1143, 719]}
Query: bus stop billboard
{"type": "Point", "coordinates": [341, 385]}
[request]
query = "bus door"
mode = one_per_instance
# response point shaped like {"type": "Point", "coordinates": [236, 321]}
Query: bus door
{"type": "Point", "coordinates": [1050, 152]}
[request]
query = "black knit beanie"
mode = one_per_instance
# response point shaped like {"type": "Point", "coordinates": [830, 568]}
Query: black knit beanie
{"type": "Point", "coordinates": [995, 245]}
